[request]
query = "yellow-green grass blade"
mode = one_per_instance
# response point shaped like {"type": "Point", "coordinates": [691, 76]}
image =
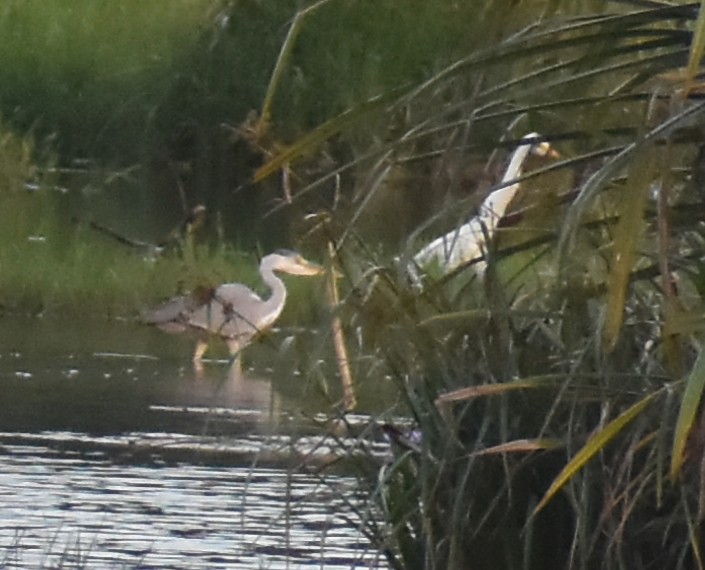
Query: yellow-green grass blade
{"type": "Point", "coordinates": [522, 446]}
{"type": "Point", "coordinates": [282, 61]}
{"type": "Point", "coordinates": [472, 316]}
{"type": "Point", "coordinates": [633, 201]}
{"type": "Point", "coordinates": [470, 392]}
{"type": "Point", "coordinates": [284, 57]}
{"type": "Point", "coordinates": [469, 316]}
{"type": "Point", "coordinates": [690, 404]}
{"type": "Point", "coordinates": [697, 48]}
{"type": "Point", "coordinates": [313, 139]}
{"type": "Point", "coordinates": [594, 445]}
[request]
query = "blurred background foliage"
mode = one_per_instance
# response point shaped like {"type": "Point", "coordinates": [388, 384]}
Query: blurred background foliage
{"type": "Point", "coordinates": [555, 397]}
{"type": "Point", "coordinates": [138, 112]}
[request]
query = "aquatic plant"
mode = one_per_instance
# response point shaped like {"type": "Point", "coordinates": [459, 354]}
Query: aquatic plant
{"type": "Point", "coordinates": [557, 398]}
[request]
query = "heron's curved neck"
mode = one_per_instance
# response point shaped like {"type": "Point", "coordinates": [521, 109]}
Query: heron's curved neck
{"type": "Point", "coordinates": [274, 305]}
{"type": "Point", "coordinates": [496, 204]}
{"type": "Point", "coordinates": [517, 163]}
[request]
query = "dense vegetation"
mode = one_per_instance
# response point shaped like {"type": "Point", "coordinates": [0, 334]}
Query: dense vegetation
{"type": "Point", "coordinates": [555, 397]}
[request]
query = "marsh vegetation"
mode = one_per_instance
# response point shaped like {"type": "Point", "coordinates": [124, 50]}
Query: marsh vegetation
{"type": "Point", "coordinates": [555, 397]}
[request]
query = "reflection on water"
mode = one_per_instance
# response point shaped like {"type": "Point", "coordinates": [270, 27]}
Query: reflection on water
{"type": "Point", "coordinates": [181, 516]}
{"type": "Point", "coordinates": [114, 455]}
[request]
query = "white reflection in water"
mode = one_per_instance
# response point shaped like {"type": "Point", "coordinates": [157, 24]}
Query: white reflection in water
{"type": "Point", "coordinates": [172, 517]}
{"type": "Point", "coordinates": [222, 386]}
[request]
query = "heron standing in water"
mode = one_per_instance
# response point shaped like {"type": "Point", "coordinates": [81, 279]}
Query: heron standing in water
{"type": "Point", "coordinates": [231, 311]}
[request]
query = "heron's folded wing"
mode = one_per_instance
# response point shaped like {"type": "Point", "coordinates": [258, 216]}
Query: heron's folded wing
{"type": "Point", "coordinates": [233, 311]}
{"type": "Point", "coordinates": [173, 315]}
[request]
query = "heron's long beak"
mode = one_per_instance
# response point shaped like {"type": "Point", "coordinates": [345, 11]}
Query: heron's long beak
{"type": "Point", "coordinates": [306, 267]}
{"type": "Point", "coordinates": [545, 149]}
{"type": "Point", "coordinates": [553, 153]}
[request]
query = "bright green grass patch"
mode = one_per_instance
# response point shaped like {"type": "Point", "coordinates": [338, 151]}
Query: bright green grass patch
{"type": "Point", "coordinates": [88, 278]}
{"type": "Point", "coordinates": [84, 277]}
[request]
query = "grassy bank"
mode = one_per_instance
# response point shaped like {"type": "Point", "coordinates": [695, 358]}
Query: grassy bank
{"type": "Point", "coordinates": [54, 261]}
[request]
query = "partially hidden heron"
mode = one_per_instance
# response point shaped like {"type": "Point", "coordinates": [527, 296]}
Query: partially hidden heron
{"type": "Point", "coordinates": [231, 311]}
{"type": "Point", "coordinates": [468, 242]}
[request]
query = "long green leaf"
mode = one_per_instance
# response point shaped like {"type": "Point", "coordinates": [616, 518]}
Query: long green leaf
{"type": "Point", "coordinates": [612, 168]}
{"type": "Point", "coordinates": [284, 57]}
{"type": "Point", "coordinates": [631, 206]}
{"type": "Point", "coordinates": [549, 40]}
{"type": "Point", "coordinates": [566, 35]}
{"type": "Point", "coordinates": [690, 404]}
{"type": "Point", "coordinates": [312, 140]}
{"type": "Point", "coordinates": [697, 48]}
{"type": "Point", "coordinates": [593, 446]}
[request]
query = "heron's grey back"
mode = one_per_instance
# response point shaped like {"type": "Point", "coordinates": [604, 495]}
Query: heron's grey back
{"type": "Point", "coordinates": [233, 311]}
{"type": "Point", "coordinates": [173, 315]}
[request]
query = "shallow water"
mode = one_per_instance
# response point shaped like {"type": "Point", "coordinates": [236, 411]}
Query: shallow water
{"type": "Point", "coordinates": [116, 454]}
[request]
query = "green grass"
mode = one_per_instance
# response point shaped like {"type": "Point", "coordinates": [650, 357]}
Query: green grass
{"type": "Point", "coordinates": [135, 87]}
{"type": "Point", "coordinates": [150, 93]}
{"type": "Point", "coordinates": [114, 78]}
{"type": "Point", "coordinates": [92, 74]}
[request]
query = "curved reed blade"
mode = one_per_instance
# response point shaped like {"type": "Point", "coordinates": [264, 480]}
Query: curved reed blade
{"type": "Point", "coordinates": [522, 446]}
{"type": "Point", "coordinates": [631, 206]}
{"type": "Point", "coordinates": [594, 445]}
{"type": "Point", "coordinates": [284, 57]}
{"type": "Point", "coordinates": [308, 143]}
{"type": "Point", "coordinates": [282, 61]}
{"type": "Point", "coordinates": [690, 404]}
{"type": "Point", "coordinates": [615, 166]}
{"type": "Point", "coordinates": [697, 49]}
{"type": "Point", "coordinates": [482, 390]}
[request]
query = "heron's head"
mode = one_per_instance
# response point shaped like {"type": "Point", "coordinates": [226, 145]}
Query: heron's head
{"type": "Point", "coordinates": [291, 262]}
{"type": "Point", "coordinates": [540, 147]}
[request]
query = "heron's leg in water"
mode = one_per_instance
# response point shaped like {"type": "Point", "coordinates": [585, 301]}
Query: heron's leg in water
{"type": "Point", "coordinates": [201, 348]}
{"type": "Point", "coordinates": [234, 350]}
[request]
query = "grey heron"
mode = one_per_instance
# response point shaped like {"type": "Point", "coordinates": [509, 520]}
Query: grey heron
{"type": "Point", "coordinates": [231, 311]}
{"type": "Point", "coordinates": [468, 242]}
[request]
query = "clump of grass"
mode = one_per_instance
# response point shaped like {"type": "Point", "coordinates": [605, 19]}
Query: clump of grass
{"type": "Point", "coordinates": [557, 399]}
{"type": "Point", "coordinates": [71, 552]}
